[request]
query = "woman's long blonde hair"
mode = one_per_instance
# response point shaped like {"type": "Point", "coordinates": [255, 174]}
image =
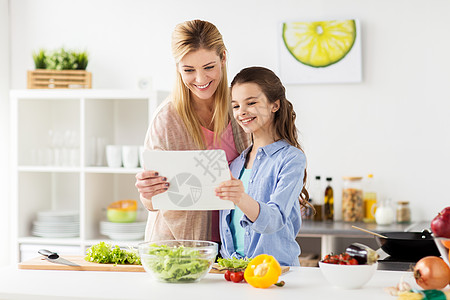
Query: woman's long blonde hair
{"type": "Point", "coordinates": [191, 36]}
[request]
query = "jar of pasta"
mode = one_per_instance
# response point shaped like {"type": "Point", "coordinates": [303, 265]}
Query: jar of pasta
{"type": "Point", "coordinates": [352, 199]}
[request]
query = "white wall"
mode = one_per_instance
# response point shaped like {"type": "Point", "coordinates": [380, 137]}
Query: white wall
{"type": "Point", "coordinates": [4, 132]}
{"type": "Point", "coordinates": [394, 124]}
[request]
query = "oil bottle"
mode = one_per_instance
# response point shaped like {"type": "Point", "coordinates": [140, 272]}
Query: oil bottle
{"type": "Point", "coordinates": [317, 199]}
{"type": "Point", "coordinates": [369, 200]}
{"type": "Point", "coordinates": [329, 201]}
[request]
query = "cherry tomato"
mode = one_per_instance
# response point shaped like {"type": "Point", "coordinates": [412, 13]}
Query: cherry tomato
{"type": "Point", "coordinates": [340, 259]}
{"type": "Point", "coordinates": [237, 276]}
{"type": "Point", "coordinates": [227, 275]}
{"type": "Point", "coordinates": [344, 257]}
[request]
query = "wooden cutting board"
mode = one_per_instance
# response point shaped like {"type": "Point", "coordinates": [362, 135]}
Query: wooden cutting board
{"type": "Point", "coordinates": [40, 263]}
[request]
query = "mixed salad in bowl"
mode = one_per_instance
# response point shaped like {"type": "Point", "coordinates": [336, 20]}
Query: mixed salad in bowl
{"type": "Point", "coordinates": [178, 260]}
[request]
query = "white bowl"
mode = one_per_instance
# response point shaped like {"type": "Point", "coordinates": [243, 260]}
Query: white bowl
{"type": "Point", "coordinates": [348, 276]}
{"type": "Point", "coordinates": [442, 249]}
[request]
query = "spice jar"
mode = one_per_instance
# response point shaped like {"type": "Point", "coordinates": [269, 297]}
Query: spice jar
{"type": "Point", "coordinates": [352, 200]}
{"type": "Point", "coordinates": [403, 212]}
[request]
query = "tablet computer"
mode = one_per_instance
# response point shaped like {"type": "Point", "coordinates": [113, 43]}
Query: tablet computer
{"type": "Point", "coordinates": [193, 176]}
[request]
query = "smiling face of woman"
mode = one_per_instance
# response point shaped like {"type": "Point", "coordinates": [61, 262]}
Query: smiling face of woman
{"type": "Point", "coordinates": [201, 72]}
{"type": "Point", "coordinates": [252, 110]}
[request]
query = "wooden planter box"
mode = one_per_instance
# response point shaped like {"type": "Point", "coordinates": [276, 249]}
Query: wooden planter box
{"type": "Point", "coordinates": [59, 79]}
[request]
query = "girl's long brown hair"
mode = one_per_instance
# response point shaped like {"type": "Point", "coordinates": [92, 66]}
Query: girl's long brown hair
{"type": "Point", "coordinates": [284, 118]}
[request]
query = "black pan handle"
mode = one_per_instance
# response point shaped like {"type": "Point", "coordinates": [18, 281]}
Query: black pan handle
{"type": "Point", "coordinates": [48, 253]}
{"type": "Point", "coordinates": [427, 233]}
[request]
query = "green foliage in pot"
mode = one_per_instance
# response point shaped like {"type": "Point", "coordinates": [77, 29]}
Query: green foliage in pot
{"type": "Point", "coordinates": [61, 59]}
{"type": "Point", "coordinates": [82, 60]}
{"type": "Point", "coordinates": [39, 59]}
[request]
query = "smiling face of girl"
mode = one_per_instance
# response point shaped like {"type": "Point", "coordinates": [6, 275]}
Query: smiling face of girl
{"type": "Point", "coordinates": [252, 110]}
{"type": "Point", "coordinates": [201, 72]}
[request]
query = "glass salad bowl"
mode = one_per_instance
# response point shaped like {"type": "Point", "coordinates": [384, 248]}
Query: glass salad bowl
{"type": "Point", "coordinates": [178, 260]}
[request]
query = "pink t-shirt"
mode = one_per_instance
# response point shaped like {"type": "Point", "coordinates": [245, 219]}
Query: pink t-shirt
{"type": "Point", "coordinates": [225, 143]}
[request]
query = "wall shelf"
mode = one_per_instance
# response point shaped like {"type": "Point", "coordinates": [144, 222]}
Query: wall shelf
{"type": "Point", "coordinates": [58, 160]}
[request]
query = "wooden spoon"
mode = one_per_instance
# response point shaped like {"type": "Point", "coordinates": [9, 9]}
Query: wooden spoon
{"type": "Point", "coordinates": [371, 232]}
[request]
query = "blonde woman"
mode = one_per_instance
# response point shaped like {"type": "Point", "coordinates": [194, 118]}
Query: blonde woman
{"type": "Point", "coordinates": [196, 116]}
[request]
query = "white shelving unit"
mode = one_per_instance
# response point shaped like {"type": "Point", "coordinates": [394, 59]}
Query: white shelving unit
{"type": "Point", "coordinates": [71, 173]}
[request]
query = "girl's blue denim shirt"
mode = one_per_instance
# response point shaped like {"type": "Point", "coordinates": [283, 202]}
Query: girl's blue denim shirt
{"type": "Point", "coordinates": [276, 182]}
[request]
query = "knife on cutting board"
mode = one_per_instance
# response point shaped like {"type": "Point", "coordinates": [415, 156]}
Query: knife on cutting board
{"type": "Point", "coordinates": [55, 258]}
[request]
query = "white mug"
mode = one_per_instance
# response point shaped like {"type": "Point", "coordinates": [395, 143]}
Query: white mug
{"type": "Point", "coordinates": [130, 156]}
{"type": "Point", "coordinates": [114, 156]}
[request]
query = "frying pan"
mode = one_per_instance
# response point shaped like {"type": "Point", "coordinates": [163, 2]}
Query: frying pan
{"type": "Point", "coordinates": [408, 245]}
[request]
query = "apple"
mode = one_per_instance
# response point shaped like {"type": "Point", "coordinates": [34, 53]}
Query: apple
{"type": "Point", "coordinates": [440, 225]}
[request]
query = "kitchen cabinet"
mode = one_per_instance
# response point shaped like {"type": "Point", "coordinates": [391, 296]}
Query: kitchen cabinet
{"type": "Point", "coordinates": [58, 161]}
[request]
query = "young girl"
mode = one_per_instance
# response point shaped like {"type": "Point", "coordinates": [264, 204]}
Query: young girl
{"type": "Point", "coordinates": [271, 173]}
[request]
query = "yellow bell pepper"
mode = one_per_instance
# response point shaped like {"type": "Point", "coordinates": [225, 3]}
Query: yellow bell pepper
{"type": "Point", "coordinates": [262, 271]}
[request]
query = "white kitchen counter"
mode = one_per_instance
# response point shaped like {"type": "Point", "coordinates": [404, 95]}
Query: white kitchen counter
{"type": "Point", "coordinates": [301, 283]}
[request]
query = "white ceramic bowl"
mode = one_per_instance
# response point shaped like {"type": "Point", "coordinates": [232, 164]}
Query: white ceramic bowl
{"type": "Point", "coordinates": [178, 261]}
{"type": "Point", "coordinates": [442, 249]}
{"type": "Point", "coordinates": [347, 276]}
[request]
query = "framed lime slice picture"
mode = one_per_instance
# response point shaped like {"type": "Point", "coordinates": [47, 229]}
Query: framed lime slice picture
{"type": "Point", "coordinates": [319, 44]}
{"type": "Point", "coordinates": [329, 51]}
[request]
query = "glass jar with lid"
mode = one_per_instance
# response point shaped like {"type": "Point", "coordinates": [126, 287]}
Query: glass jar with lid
{"type": "Point", "coordinates": [352, 199]}
{"type": "Point", "coordinates": [403, 212]}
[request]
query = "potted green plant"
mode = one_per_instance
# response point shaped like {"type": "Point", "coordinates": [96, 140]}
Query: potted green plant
{"type": "Point", "coordinates": [60, 68]}
{"type": "Point", "coordinates": [63, 59]}
{"type": "Point", "coordinates": [82, 60]}
{"type": "Point", "coordinates": [60, 59]}
{"type": "Point", "coordinates": [39, 58]}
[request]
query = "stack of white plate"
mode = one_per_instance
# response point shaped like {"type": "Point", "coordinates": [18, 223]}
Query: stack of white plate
{"type": "Point", "coordinates": [57, 224]}
{"type": "Point", "coordinates": [123, 231]}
